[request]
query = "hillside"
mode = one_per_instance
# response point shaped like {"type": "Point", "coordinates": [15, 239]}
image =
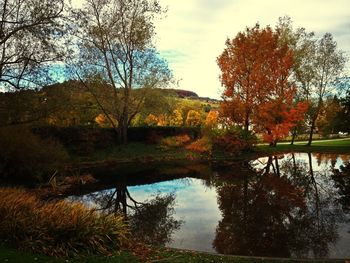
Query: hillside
{"type": "Point", "coordinates": [69, 103]}
{"type": "Point", "coordinates": [187, 94]}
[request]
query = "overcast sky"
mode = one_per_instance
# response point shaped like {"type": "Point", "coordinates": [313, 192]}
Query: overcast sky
{"type": "Point", "coordinates": [192, 34]}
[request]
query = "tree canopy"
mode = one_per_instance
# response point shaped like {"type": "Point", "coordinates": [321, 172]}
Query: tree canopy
{"type": "Point", "coordinates": [256, 69]}
{"type": "Point", "coordinates": [29, 41]}
{"type": "Point", "coordinates": [115, 45]}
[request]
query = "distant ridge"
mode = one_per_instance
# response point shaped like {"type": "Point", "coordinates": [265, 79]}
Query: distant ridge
{"type": "Point", "coordinates": [187, 94]}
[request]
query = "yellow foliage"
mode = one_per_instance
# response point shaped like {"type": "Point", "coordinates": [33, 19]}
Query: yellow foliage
{"type": "Point", "coordinates": [212, 119]}
{"type": "Point", "coordinates": [103, 121]}
{"type": "Point", "coordinates": [175, 141]}
{"type": "Point", "coordinates": [162, 120]}
{"type": "Point", "coordinates": [176, 118]}
{"type": "Point", "coordinates": [193, 118]}
{"type": "Point", "coordinates": [151, 120]}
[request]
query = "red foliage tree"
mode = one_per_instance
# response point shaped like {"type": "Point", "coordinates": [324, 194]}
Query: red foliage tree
{"type": "Point", "coordinates": [255, 71]}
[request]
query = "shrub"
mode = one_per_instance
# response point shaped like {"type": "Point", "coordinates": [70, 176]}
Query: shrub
{"type": "Point", "coordinates": [151, 120]}
{"type": "Point", "coordinates": [75, 138]}
{"type": "Point", "coordinates": [212, 119]}
{"type": "Point", "coordinates": [193, 118]}
{"type": "Point", "coordinates": [175, 141]}
{"type": "Point", "coordinates": [202, 145]}
{"type": "Point", "coordinates": [176, 118]}
{"type": "Point", "coordinates": [233, 141]}
{"type": "Point", "coordinates": [57, 228]}
{"type": "Point", "coordinates": [27, 157]}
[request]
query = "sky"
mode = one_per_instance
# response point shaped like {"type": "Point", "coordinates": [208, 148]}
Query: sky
{"type": "Point", "coordinates": [192, 34]}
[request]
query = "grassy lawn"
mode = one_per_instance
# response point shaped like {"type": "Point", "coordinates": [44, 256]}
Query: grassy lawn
{"type": "Point", "coordinates": [326, 146]}
{"type": "Point", "coordinates": [134, 151]}
{"type": "Point", "coordinates": [163, 255]}
{"type": "Point", "coordinates": [15, 256]}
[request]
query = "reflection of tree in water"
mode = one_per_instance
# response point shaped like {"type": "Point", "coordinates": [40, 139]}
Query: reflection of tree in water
{"type": "Point", "coordinates": [151, 221]}
{"type": "Point", "coordinates": [154, 221]}
{"type": "Point", "coordinates": [341, 178]}
{"type": "Point", "coordinates": [279, 210]}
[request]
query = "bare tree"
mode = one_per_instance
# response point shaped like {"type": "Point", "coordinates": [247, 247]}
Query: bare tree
{"type": "Point", "coordinates": [29, 32]}
{"type": "Point", "coordinates": [328, 64]}
{"type": "Point", "coordinates": [115, 44]}
{"type": "Point", "coordinates": [318, 64]}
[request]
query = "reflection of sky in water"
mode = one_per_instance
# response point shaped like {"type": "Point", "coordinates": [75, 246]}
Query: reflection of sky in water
{"type": "Point", "coordinates": [195, 204]}
{"type": "Point", "coordinates": [319, 162]}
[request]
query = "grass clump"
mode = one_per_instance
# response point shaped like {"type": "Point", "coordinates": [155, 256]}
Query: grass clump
{"type": "Point", "coordinates": [202, 145]}
{"type": "Point", "coordinates": [174, 141]}
{"type": "Point", "coordinates": [60, 228]}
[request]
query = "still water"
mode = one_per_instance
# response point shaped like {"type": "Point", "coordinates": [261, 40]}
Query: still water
{"type": "Point", "coordinates": [292, 205]}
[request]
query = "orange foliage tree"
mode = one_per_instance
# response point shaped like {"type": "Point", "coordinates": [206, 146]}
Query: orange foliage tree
{"type": "Point", "coordinates": [193, 118]}
{"type": "Point", "coordinates": [212, 119]}
{"type": "Point", "coordinates": [277, 117]}
{"type": "Point", "coordinates": [255, 71]}
{"type": "Point", "coordinates": [162, 120]}
{"type": "Point", "coordinates": [175, 118]}
{"type": "Point", "coordinates": [151, 120]}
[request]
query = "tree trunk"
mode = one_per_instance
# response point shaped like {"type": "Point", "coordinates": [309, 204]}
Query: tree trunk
{"type": "Point", "coordinates": [268, 165]}
{"type": "Point", "coordinates": [277, 167]}
{"type": "Point", "coordinates": [312, 130]}
{"type": "Point", "coordinates": [246, 125]}
{"type": "Point", "coordinates": [272, 143]}
{"type": "Point", "coordinates": [313, 123]}
{"type": "Point", "coordinates": [124, 122]}
{"type": "Point", "coordinates": [294, 134]}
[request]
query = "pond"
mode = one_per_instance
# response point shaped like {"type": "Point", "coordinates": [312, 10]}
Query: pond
{"type": "Point", "coordinates": [291, 205]}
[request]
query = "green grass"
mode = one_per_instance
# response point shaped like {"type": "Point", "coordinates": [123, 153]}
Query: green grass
{"type": "Point", "coordinates": [135, 152]}
{"type": "Point", "coordinates": [185, 256]}
{"type": "Point", "coordinates": [335, 142]}
{"type": "Point", "coordinates": [323, 146]}
{"type": "Point", "coordinates": [15, 256]}
{"type": "Point", "coordinates": [162, 255]}
{"type": "Point", "coordinates": [11, 255]}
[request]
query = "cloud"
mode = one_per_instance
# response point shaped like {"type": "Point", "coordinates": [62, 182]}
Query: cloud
{"type": "Point", "coordinates": [194, 32]}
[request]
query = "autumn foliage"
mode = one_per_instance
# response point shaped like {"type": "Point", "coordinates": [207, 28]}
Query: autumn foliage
{"type": "Point", "coordinates": [151, 120]}
{"type": "Point", "coordinates": [202, 145]}
{"type": "Point", "coordinates": [175, 141]}
{"type": "Point", "coordinates": [212, 119]}
{"type": "Point", "coordinates": [193, 118]}
{"type": "Point", "coordinates": [176, 118]}
{"type": "Point", "coordinates": [255, 71]}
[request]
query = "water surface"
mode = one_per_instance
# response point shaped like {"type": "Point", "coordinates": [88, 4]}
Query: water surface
{"type": "Point", "coordinates": [292, 205]}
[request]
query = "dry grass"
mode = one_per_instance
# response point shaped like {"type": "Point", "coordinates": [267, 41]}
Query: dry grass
{"type": "Point", "coordinates": [202, 145]}
{"type": "Point", "coordinates": [175, 141]}
{"type": "Point", "coordinates": [60, 228]}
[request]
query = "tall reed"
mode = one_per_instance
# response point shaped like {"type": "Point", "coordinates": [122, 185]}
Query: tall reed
{"type": "Point", "coordinates": [59, 228]}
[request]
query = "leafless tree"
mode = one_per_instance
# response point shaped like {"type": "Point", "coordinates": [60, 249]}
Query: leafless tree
{"type": "Point", "coordinates": [29, 34]}
{"type": "Point", "coordinates": [115, 47]}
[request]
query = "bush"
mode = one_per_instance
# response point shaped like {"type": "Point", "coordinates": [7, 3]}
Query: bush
{"type": "Point", "coordinates": [85, 139]}
{"type": "Point", "coordinates": [234, 140]}
{"type": "Point", "coordinates": [202, 145]}
{"type": "Point", "coordinates": [82, 140]}
{"type": "Point", "coordinates": [27, 157]}
{"type": "Point", "coordinates": [58, 228]}
{"type": "Point", "coordinates": [142, 134]}
{"type": "Point", "coordinates": [175, 141]}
